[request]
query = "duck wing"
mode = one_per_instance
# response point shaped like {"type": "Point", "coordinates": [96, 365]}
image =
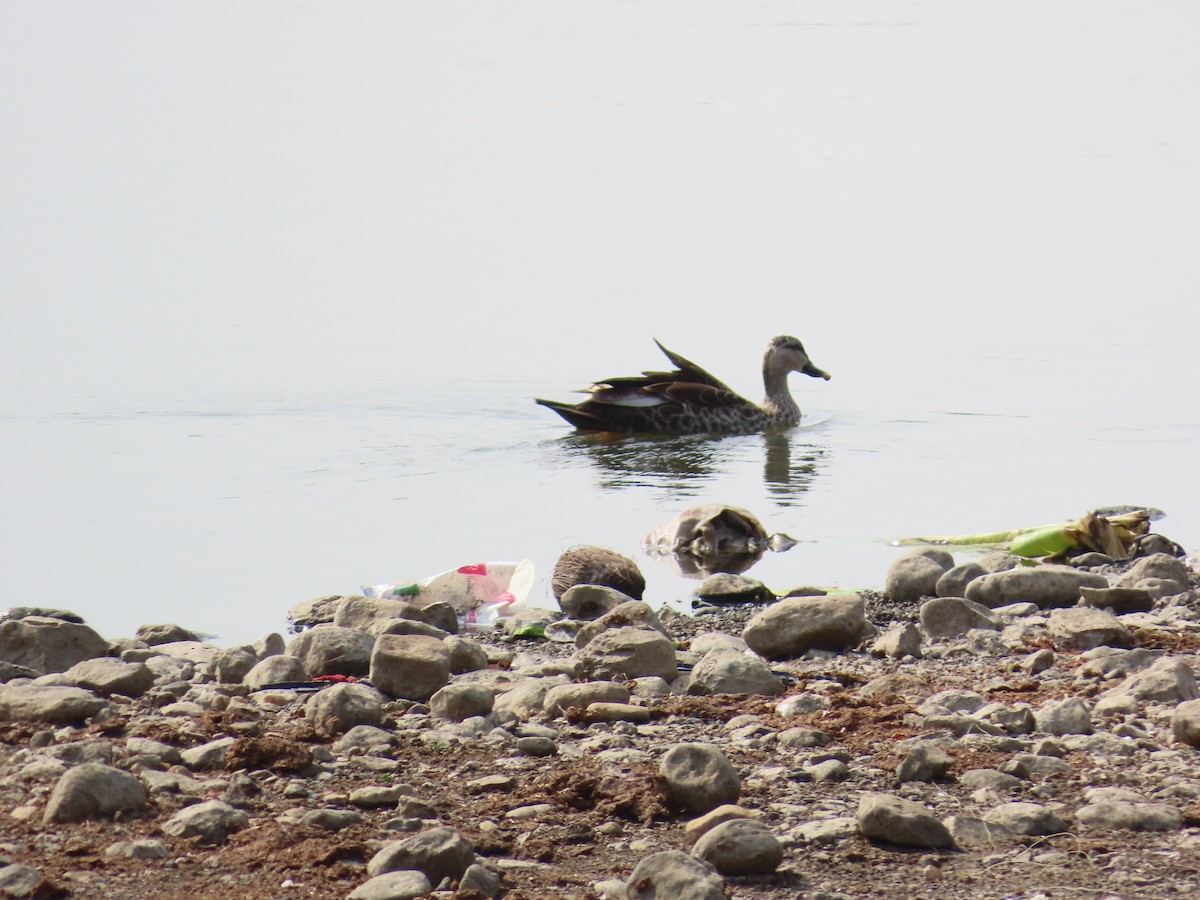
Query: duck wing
{"type": "Point", "coordinates": [688, 372]}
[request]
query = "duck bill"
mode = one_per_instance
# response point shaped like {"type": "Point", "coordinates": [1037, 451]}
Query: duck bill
{"type": "Point", "coordinates": [812, 370]}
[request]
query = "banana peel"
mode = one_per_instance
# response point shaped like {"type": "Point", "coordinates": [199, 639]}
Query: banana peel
{"type": "Point", "coordinates": [1111, 535]}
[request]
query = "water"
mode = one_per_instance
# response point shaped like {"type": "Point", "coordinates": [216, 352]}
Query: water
{"type": "Point", "coordinates": [280, 283]}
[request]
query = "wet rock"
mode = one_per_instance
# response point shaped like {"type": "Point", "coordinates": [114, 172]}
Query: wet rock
{"type": "Point", "coordinates": [1082, 628]}
{"type": "Point", "coordinates": [331, 650]}
{"type": "Point", "coordinates": [740, 847]}
{"type": "Point", "coordinates": [725, 672]}
{"type": "Point", "coordinates": [904, 823]}
{"type": "Point", "coordinates": [210, 822]}
{"type": "Point", "coordinates": [585, 602]}
{"type": "Point", "coordinates": [107, 675]}
{"type": "Point", "coordinates": [281, 669]}
{"type": "Point", "coordinates": [674, 875]}
{"type": "Point", "coordinates": [413, 667]}
{"type": "Point", "coordinates": [699, 777]}
{"type": "Point", "coordinates": [628, 652]}
{"type": "Point", "coordinates": [916, 574]}
{"type": "Point", "coordinates": [954, 582]}
{"type": "Point", "coordinates": [47, 645]}
{"type": "Point", "coordinates": [461, 701]}
{"type": "Point", "coordinates": [48, 703]}
{"type": "Point", "coordinates": [1025, 818]}
{"type": "Point", "coordinates": [951, 617]}
{"type": "Point", "coordinates": [1046, 585]}
{"type": "Point", "coordinates": [789, 628]}
{"type": "Point", "coordinates": [338, 708]}
{"type": "Point", "coordinates": [92, 790]}
{"type": "Point", "coordinates": [438, 853]}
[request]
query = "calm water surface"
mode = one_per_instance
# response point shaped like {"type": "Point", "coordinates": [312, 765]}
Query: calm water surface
{"type": "Point", "coordinates": [280, 284]}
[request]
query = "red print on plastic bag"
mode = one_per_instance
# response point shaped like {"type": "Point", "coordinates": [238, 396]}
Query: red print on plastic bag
{"type": "Point", "coordinates": [473, 569]}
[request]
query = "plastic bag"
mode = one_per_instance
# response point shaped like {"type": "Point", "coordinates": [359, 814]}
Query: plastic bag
{"type": "Point", "coordinates": [481, 593]}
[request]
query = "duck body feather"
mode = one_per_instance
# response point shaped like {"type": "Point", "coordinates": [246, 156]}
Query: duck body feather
{"type": "Point", "coordinates": [690, 400]}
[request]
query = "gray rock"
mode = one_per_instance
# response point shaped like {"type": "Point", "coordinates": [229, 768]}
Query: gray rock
{"type": "Point", "coordinates": [140, 849]}
{"type": "Point", "coordinates": [699, 777]}
{"type": "Point", "coordinates": [107, 675]}
{"type": "Point", "coordinates": [1185, 723]}
{"type": "Point", "coordinates": [332, 819]}
{"type": "Point", "coordinates": [740, 847]}
{"type": "Point", "coordinates": [409, 626]}
{"type": "Point", "coordinates": [365, 738]}
{"type": "Point", "coordinates": [48, 703]}
{"type": "Point", "coordinates": [953, 700]}
{"type": "Point", "coordinates": [92, 790]}
{"type": "Point", "coordinates": [403, 885]}
{"type": "Point", "coordinates": [1123, 815]}
{"type": "Point", "coordinates": [272, 644]}
{"type": "Point", "coordinates": [916, 574]}
{"type": "Point", "coordinates": [791, 627]}
{"type": "Point", "coordinates": [1157, 565]}
{"type": "Point", "coordinates": [585, 602]}
{"type": "Point", "coordinates": [564, 696]}
{"type": "Point", "coordinates": [154, 635]}
{"type": "Point", "coordinates": [365, 613]}
{"type": "Point", "coordinates": [898, 642]}
{"type": "Point", "coordinates": [630, 613]}
{"type": "Point", "coordinates": [318, 611]}
{"type": "Point", "coordinates": [828, 770]}
{"type": "Point", "coordinates": [1119, 600]}
{"type": "Point", "coordinates": [340, 707]}
{"type": "Point", "coordinates": [1071, 715]}
{"type": "Point", "coordinates": [210, 822]}
{"type": "Point", "coordinates": [466, 655]}
{"type": "Point", "coordinates": [481, 880]}
{"type": "Point", "coordinates": [971, 833]}
{"type": "Point", "coordinates": [707, 642]}
{"type": "Point", "coordinates": [233, 665]}
{"type": "Point", "coordinates": [439, 853]}
{"type": "Point", "coordinates": [19, 881]}
{"type": "Point", "coordinates": [802, 737]}
{"type": "Point", "coordinates": [461, 701]}
{"type": "Point", "coordinates": [1169, 680]}
{"type": "Point", "coordinates": [279, 669]}
{"type": "Point", "coordinates": [674, 875]}
{"type": "Point", "coordinates": [952, 617]}
{"type": "Point", "coordinates": [724, 672]}
{"type": "Point", "coordinates": [988, 780]}
{"type": "Point", "coordinates": [413, 667]}
{"type": "Point", "coordinates": [537, 746]}
{"type": "Point", "coordinates": [904, 823]}
{"type": "Point", "coordinates": [724, 587]}
{"type": "Point", "coordinates": [210, 755]}
{"type": "Point", "coordinates": [1025, 818]}
{"type": "Point", "coordinates": [1045, 585]}
{"type": "Point", "coordinates": [954, 582]}
{"type": "Point", "coordinates": [628, 652]}
{"type": "Point", "coordinates": [331, 650]}
{"type": "Point", "coordinates": [924, 763]}
{"type": "Point", "coordinates": [47, 644]}
{"type": "Point", "coordinates": [1082, 628]}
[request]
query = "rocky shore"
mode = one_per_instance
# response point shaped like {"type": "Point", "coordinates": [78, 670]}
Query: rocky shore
{"type": "Point", "coordinates": [975, 729]}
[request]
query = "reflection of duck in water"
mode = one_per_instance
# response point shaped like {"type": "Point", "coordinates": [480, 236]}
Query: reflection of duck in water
{"type": "Point", "coordinates": [691, 401]}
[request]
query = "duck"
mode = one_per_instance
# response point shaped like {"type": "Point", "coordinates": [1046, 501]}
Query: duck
{"type": "Point", "coordinates": [691, 401]}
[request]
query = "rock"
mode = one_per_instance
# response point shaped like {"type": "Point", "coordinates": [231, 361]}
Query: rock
{"type": "Point", "coordinates": [210, 822]}
{"type": "Point", "coordinates": [280, 669]}
{"type": "Point", "coordinates": [989, 780]}
{"type": "Point", "coordinates": [631, 613]}
{"type": "Point", "coordinates": [585, 602]}
{"type": "Point", "coordinates": [674, 875]}
{"type": "Point", "coordinates": [233, 665]}
{"type": "Point", "coordinates": [1157, 565]}
{"type": "Point", "coordinates": [210, 755]}
{"type": "Point", "coordinates": [107, 675]}
{"type": "Point", "coordinates": [802, 737]}
{"type": "Point", "coordinates": [365, 613]}
{"type": "Point", "coordinates": [480, 880]}
{"type": "Point", "coordinates": [413, 667]}
{"type": "Point", "coordinates": [409, 626]}
{"type": "Point", "coordinates": [703, 644]}
{"type": "Point", "coordinates": [740, 847]}
{"type": "Point", "coordinates": [461, 701]}
{"type": "Point", "coordinates": [1070, 715]}
{"type": "Point", "coordinates": [724, 587]}
{"type": "Point", "coordinates": [714, 817]}
{"type": "Point", "coordinates": [439, 853]}
{"type": "Point", "coordinates": [1025, 818]}
{"type": "Point", "coordinates": [724, 672]}
{"type": "Point", "coordinates": [1185, 723]}
{"type": "Point", "coordinates": [971, 833]}
{"type": "Point", "coordinates": [699, 777]}
{"type": "Point", "coordinates": [916, 574]}
{"type": "Point", "coordinates": [789, 628]}
{"type": "Point", "coordinates": [331, 650]}
{"type": "Point", "coordinates": [1123, 815]}
{"type": "Point", "coordinates": [48, 703]}
{"type": "Point", "coordinates": [403, 885]}
{"type": "Point", "coordinates": [1046, 585]}
{"type": "Point", "coordinates": [272, 644]}
{"type": "Point", "coordinates": [954, 581]}
{"type": "Point", "coordinates": [952, 617]}
{"type": "Point", "coordinates": [596, 566]}
{"type": "Point", "coordinates": [92, 790]}
{"type": "Point", "coordinates": [924, 763]}
{"type": "Point", "coordinates": [154, 635]}
{"type": "Point", "coordinates": [47, 644]}
{"type": "Point", "coordinates": [21, 881]}
{"type": "Point", "coordinates": [564, 696]}
{"type": "Point", "coordinates": [1119, 600]}
{"type": "Point", "coordinates": [332, 819]}
{"type": "Point", "coordinates": [465, 654]}
{"type": "Point", "coordinates": [340, 707]}
{"type": "Point", "coordinates": [1168, 680]}
{"type": "Point", "coordinates": [898, 642]}
{"type": "Point", "coordinates": [142, 849]}
{"type": "Point", "coordinates": [318, 611]}
{"type": "Point", "coordinates": [904, 823]}
{"type": "Point", "coordinates": [953, 700]}
{"type": "Point", "coordinates": [628, 652]}
{"type": "Point", "coordinates": [1082, 628]}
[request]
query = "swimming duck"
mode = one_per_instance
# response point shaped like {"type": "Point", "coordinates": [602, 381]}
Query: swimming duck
{"type": "Point", "coordinates": [690, 400]}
